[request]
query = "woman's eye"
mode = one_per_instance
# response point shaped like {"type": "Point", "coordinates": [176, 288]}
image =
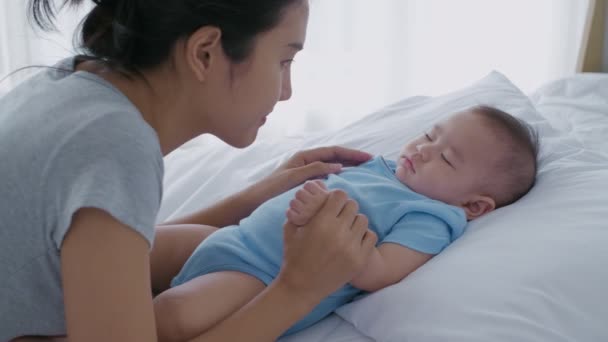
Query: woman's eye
{"type": "Point", "coordinates": [428, 137]}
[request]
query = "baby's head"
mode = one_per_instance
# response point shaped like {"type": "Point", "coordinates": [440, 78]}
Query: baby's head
{"type": "Point", "coordinates": [479, 159]}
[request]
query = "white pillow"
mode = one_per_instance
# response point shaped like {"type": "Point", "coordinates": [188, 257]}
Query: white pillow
{"type": "Point", "coordinates": [532, 271]}
{"type": "Point", "coordinates": [205, 170]}
{"type": "Point", "coordinates": [576, 104]}
{"type": "Point", "coordinates": [523, 273]}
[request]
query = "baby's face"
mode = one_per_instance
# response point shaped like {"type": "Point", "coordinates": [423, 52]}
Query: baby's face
{"type": "Point", "coordinates": [448, 162]}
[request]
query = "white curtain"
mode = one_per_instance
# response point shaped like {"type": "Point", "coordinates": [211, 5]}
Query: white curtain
{"type": "Point", "coordinates": [363, 54]}
{"type": "Point", "coordinates": [21, 46]}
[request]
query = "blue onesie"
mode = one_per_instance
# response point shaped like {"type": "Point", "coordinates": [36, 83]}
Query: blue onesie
{"type": "Point", "coordinates": [396, 213]}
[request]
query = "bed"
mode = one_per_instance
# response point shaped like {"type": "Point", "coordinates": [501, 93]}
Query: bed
{"type": "Point", "coordinates": [532, 271]}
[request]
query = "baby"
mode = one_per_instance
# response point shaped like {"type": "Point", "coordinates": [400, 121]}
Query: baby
{"type": "Point", "coordinates": [464, 167]}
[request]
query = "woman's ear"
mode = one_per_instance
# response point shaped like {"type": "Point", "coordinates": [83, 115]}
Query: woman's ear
{"type": "Point", "coordinates": [202, 48]}
{"type": "Point", "coordinates": [478, 206]}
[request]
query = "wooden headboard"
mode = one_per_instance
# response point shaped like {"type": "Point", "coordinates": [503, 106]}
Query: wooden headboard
{"type": "Point", "coordinates": [591, 53]}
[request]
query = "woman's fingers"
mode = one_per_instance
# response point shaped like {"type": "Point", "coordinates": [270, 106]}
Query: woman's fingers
{"type": "Point", "coordinates": [350, 157]}
{"type": "Point", "coordinates": [360, 226]}
{"type": "Point", "coordinates": [363, 240]}
{"type": "Point", "coordinates": [366, 247]}
{"type": "Point", "coordinates": [349, 213]}
{"type": "Point", "coordinates": [315, 163]}
{"type": "Point", "coordinates": [329, 250]}
{"type": "Point", "coordinates": [334, 204]}
{"type": "Point", "coordinates": [314, 170]}
{"type": "Point", "coordinates": [369, 241]}
{"type": "Point", "coordinates": [336, 154]}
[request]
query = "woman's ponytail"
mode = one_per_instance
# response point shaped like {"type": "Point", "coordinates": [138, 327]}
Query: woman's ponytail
{"type": "Point", "coordinates": [43, 12]}
{"type": "Point", "coordinates": [108, 31]}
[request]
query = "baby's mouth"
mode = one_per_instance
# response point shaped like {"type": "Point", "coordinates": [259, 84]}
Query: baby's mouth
{"type": "Point", "coordinates": [407, 163]}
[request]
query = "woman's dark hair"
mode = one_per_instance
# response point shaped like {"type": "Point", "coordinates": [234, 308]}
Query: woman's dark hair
{"type": "Point", "coordinates": [137, 34]}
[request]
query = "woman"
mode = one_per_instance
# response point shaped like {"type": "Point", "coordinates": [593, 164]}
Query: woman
{"type": "Point", "coordinates": [83, 191]}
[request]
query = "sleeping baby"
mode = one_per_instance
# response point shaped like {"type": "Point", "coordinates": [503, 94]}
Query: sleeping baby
{"type": "Point", "coordinates": [464, 167]}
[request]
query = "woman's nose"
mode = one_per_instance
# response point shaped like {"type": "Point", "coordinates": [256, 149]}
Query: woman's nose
{"type": "Point", "coordinates": [285, 93]}
{"type": "Point", "coordinates": [286, 87]}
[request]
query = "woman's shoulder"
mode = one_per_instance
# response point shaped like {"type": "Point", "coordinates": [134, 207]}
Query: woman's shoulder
{"type": "Point", "coordinates": [75, 108]}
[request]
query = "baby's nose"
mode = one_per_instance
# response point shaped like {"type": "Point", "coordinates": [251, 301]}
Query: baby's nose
{"type": "Point", "coordinates": [422, 152]}
{"type": "Point", "coordinates": [417, 156]}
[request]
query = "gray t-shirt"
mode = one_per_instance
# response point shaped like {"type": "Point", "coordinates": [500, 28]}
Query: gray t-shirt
{"type": "Point", "coordinates": [68, 140]}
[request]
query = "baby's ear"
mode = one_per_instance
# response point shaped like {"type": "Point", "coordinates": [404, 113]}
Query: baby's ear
{"type": "Point", "coordinates": [478, 206]}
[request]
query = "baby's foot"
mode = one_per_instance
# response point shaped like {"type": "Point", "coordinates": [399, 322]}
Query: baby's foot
{"type": "Point", "coordinates": [307, 202]}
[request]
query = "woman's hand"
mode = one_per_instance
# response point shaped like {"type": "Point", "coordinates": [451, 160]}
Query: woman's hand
{"type": "Point", "coordinates": [318, 162]}
{"type": "Point", "coordinates": [329, 251]}
{"type": "Point", "coordinates": [305, 165]}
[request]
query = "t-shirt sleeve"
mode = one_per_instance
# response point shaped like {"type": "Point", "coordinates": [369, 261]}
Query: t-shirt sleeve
{"type": "Point", "coordinates": [113, 164]}
{"type": "Point", "coordinates": [420, 231]}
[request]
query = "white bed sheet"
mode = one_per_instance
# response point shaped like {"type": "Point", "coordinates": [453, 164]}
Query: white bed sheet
{"type": "Point", "coordinates": [572, 106]}
{"type": "Point", "coordinates": [333, 328]}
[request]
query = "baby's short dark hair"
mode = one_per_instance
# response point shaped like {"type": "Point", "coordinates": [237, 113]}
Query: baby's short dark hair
{"type": "Point", "coordinates": [514, 174]}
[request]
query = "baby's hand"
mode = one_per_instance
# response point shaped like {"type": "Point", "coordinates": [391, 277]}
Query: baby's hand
{"type": "Point", "coordinates": [307, 202]}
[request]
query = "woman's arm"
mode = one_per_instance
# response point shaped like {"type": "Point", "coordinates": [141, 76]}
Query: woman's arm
{"type": "Point", "coordinates": [388, 264]}
{"type": "Point", "coordinates": [226, 212]}
{"type": "Point", "coordinates": [319, 258]}
{"type": "Point", "coordinates": [265, 318]}
{"type": "Point", "coordinates": [106, 281]}
{"type": "Point", "coordinates": [304, 165]}
{"type": "Point", "coordinates": [173, 245]}
{"type": "Point", "coordinates": [106, 277]}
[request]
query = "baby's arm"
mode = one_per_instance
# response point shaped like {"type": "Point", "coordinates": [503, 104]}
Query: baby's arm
{"type": "Point", "coordinates": [387, 265]}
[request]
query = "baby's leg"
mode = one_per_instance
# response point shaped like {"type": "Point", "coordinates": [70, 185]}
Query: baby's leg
{"type": "Point", "coordinates": [173, 245]}
{"type": "Point", "coordinates": [309, 199]}
{"type": "Point", "coordinates": [187, 310]}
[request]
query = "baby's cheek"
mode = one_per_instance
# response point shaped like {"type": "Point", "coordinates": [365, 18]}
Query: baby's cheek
{"type": "Point", "coordinates": [400, 174]}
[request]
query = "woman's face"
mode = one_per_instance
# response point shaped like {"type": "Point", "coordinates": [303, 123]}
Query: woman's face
{"type": "Point", "coordinates": [248, 91]}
